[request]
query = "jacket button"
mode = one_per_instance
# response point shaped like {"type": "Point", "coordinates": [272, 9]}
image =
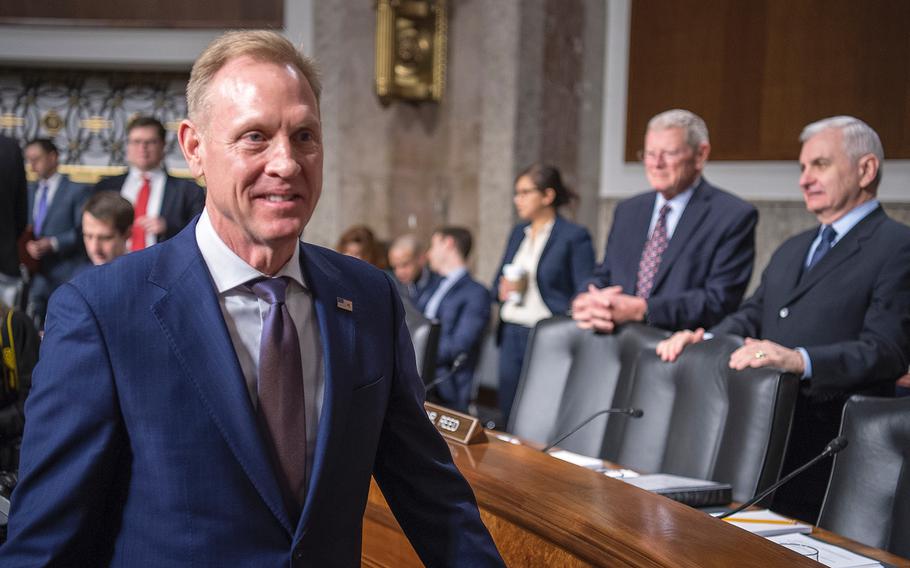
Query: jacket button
{"type": "Point", "coordinates": [784, 312]}
{"type": "Point", "coordinates": [298, 555]}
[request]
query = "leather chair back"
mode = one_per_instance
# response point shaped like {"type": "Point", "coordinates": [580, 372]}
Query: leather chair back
{"type": "Point", "coordinates": [704, 420]}
{"type": "Point", "coordinates": [568, 375]}
{"type": "Point", "coordinates": [868, 496]}
{"type": "Point", "coordinates": [425, 337]}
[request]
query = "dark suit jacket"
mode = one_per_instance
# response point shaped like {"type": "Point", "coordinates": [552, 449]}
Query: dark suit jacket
{"type": "Point", "coordinates": [182, 201]}
{"type": "Point", "coordinates": [63, 221]}
{"type": "Point", "coordinates": [705, 270]}
{"type": "Point", "coordinates": [565, 263]}
{"type": "Point", "coordinates": [141, 446]}
{"type": "Point", "coordinates": [13, 204]}
{"type": "Point", "coordinates": [463, 315]}
{"type": "Point", "coordinates": [851, 313]}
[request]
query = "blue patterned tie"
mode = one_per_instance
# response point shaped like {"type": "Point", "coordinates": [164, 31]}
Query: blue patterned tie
{"type": "Point", "coordinates": [828, 236]}
{"type": "Point", "coordinates": [42, 209]}
{"type": "Point", "coordinates": [280, 389]}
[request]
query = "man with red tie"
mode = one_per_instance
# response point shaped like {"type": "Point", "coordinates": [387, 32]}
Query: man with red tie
{"type": "Point", "coordinates": [163, 204]}
{"type": "Point", "coordinates": [677, 256]}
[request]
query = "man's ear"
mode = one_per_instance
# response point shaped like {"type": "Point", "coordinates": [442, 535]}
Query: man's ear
{"type": "Point", "coordinates": [868, 170]}
{"type": "Point", "coordinates": [701, 155]}
{"type": "Point", "coordinates": [191, 143]}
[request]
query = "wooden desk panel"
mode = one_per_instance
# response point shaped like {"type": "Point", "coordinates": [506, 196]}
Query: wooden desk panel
{"type": "Point", "coordinates": [545, 512]}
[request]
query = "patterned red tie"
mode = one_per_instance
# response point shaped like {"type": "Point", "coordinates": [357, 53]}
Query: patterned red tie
{"type": "Point", "coordinates": [650, 257]}
{"type": "Point", "coordinates": [137, 241]}
{"type": "Point", "coordinates": [282, 410]}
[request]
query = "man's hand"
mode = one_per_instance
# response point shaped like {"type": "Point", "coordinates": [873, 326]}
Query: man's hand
{"type": "Point", "coordinates": [625, 308]}
{"type": "Point", "coordinates": [670, 349]}
{"type": "Point", "coordinates": [757, 353]}
{"type": "Point", "coordinates": [152, 225]}
{"type": "Point", "coordinates": [603, 309]}
{"type": "Point", "coordinates": [38, 248]}
{"type": "Point", "coordinates": [904, 381]}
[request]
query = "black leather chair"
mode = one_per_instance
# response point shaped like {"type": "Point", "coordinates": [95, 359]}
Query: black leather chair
{"type": "Point", "coordinates": [425, 337]}
{"type": "Point", "coordinates": [570, 374]}
{"type": "Point", "coordinates": [868, 496]}
{"type": "Point", "coordinates": [704, 420]}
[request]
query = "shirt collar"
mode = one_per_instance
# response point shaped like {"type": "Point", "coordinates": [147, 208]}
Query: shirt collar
{"type": "Point", "coordinates": [545, 230]}
{"type": "Point", "coordinates": [52, 182]}
{"type": "Point", "coordinates": [229, 270]}
{"type": "Point", "coordinates": [680, 200]}
{"type": "Point", "coordinates": [843, 225]}
{"type": "Point", "coordinates": [456, 274]}
{"type": "Point", "coordinates": [154, 173]}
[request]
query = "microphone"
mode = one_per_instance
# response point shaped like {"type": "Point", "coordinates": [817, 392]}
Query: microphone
{"type": "Point", "coordinates": [633, 412]}
{"type": "Point", "coordinates": [458, 363]}
{"type": "Point", "coordinates": [834, 446]}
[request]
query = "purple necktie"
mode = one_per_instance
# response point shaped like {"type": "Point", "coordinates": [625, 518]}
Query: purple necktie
{"type": "Point", "coordinates": [42, 209]}
{"type": "Point", "coordinates": [280, 389]}
{"type": "Point", "coordinates": [650, 257]}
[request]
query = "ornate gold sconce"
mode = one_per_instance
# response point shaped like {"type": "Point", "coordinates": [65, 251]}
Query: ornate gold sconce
{"type": "Point", "coordinates": [411, 40]}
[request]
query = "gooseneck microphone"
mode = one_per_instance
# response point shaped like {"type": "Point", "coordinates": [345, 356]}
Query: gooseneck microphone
{"type": "Point", "coordinates": [633, 412]}
{"type": "Point", "coordinates": [834, 446]}
{"type": "Point", "coordinates": [458, 363]}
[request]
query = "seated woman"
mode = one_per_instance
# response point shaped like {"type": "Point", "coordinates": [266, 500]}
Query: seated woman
{"type": "Point", "coordinates": [547, 261]}
{"type": "Point", "coordinates": [360, 242]}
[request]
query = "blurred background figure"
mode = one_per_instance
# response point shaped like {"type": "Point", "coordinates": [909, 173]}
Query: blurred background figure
{"type": "Point", "coordinates": [107, 221]}
{"type": "Point", "coordinates": [55, 211]}
{"type": "Point", "coordinates": [360, 242]}
{"type": "Point", "coordinates": [13, 217]}
{"type": "Point", "coordinates": [408, 261]}
{"type": "Point", "coordinates": [547, 261]}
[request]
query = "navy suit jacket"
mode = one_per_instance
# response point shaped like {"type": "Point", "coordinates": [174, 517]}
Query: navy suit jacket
{"type": "Point", "coordinates": [182, 201]}
{"type": "Point", "coordinates": [463, 315]}
{"type": "Point", "coordinates": [63, 220]}
{"type": "Point", "coordinates": [141, 445]}
{"type": "Point", "coordinates": [706, 267]}
{"type": "Point", "coordinates": [565, 264]}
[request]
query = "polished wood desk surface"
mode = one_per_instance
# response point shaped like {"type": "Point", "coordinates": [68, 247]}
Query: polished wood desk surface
{"type": "Point", "coordinates": [542, 511]}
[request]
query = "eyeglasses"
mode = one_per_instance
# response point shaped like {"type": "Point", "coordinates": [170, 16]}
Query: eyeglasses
{"type": "Point", "coordinates": [523, 191]}
{"type": "Point", "coordinates": [668, 156]}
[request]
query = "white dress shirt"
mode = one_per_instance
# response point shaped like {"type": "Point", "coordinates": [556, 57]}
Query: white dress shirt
{"type": "Point", "coordinates": [130, 191]}
{"type": "Point", "coordinates": [532, 308]}
{"type": "Point", "coordinates": [244, 313]}
{"type": "Point", "coordinates": [677, 206]}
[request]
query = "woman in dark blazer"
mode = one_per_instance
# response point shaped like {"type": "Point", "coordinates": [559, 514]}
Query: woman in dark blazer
{"type": "Point", "coordinates": [554, 255]}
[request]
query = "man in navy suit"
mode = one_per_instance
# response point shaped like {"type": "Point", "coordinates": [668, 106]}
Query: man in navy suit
{"type": "Point", "coordinates": [163, 204]}
{"type": "Point", "coordinates": [834, 302]}
{"type": "Point", "coordinates": [55, 210]}
{"type": "Point", "coordinates": [223, 398]}
{"type": "Point", "coordinates": [462, 306]}
{"type": "Point", "coordinates": [681, 255]}
{"type": "Point", "coordinates": [408, 261]}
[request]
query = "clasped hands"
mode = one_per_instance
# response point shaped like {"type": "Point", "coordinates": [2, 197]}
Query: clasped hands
{"type": "Point", "coordinates": [754, 353]}
{"type": "Point", "coordinates": [603, 309]}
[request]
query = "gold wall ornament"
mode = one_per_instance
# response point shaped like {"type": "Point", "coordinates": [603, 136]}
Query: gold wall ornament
{"type": "Point", "coordinates": [411, 39]}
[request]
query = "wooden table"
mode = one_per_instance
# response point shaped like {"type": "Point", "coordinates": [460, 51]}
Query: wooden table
{"type": "Point", "coordinates": [542, 511]}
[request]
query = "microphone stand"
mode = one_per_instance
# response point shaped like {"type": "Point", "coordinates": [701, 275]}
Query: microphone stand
{"type": "Point", "coordinates": [633, 412]}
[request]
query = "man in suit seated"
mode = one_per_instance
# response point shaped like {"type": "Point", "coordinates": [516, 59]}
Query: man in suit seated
{"type": "Point", "coordinates": [55, 209]}
{"type": "Point", "coordinates": [162, 204]}
{"type": "Point", "coordinates": [408, 261]}
{"type": "Point", "coordinates": [834, 302]}
{"type": "Point", "coordinates": [462, 306]}
{"type": "Point", "coordinates": [224, 398]}
{"type": "Point", "coordinates": [680, 255]}
{"type": "Point", "coordinates": [107, 222]}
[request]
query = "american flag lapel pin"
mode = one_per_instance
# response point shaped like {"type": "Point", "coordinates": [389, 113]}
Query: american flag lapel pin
{"type": "Point", "coordinates": [344, 304]}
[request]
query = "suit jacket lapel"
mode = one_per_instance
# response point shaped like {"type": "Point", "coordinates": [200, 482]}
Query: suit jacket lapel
{"type": "Point", "coordinates": [849, 246]}
{"type": "Point", "coordinates": [190, 309]}
{"type": "Point", "coordinates": [640, 222]}
{"type": "Point", "coordinates": [337, 335]}
{"type": "Point", "coordinates": [699, 205]}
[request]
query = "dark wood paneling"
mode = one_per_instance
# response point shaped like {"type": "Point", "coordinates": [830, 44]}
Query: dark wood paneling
{"type": "Point", "coordinates": [142, 13]}
{"type": "Point", "coordinates": [758, 71]}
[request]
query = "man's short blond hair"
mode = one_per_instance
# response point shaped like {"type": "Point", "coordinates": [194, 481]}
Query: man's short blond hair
{"type": "Point", "coordinates": [261, 45]}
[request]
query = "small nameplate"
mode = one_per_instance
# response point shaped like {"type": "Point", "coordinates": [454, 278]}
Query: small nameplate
{"type": "Point", "coordinates": [455, 426]}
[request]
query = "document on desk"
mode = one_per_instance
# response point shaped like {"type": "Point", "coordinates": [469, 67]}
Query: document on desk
{"type": "Point", "coordinates": [828, 554]}
{"type": "Point", "coordinates": [687, 490]}
{"type": "Point", "coordinates": [578, 459]}
{"type": "Point", "coordinates": [767, 523]}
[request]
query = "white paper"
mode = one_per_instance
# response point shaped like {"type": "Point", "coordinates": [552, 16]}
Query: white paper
{"type": "Point", "coordinates": [828, 554]}
{"type": "Point", "coordinates": [662, 481]}
{"type": "Point", "coordinates": [578, 459]}
{"type": "Point", "coordinates": [767, 529]}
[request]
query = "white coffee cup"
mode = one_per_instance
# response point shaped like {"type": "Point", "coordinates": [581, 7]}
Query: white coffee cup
{"type": "Point", "coordinates": [518, 277]}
